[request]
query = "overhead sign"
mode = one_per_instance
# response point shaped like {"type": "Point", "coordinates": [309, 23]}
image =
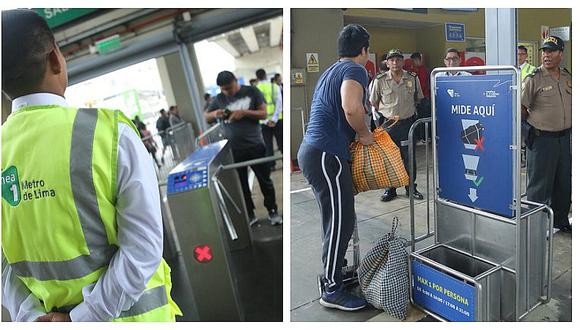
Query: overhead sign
{"type": "Point", "coordinates": [312, 63]}
{"type": "Point", "coordinates": [442, 294]}
{"type": "Point", "coordinates": [562, 32]}
{"type": "Point", "coordinates": [109, 44]}
{"type": "Point", "coordinates": [455, 32]}
{"type": "Point", "coordinates": [474, 119]}
{"type": "Point", "coordinates": [59, 16]}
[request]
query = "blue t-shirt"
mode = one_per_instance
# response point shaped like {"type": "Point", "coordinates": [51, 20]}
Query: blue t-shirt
{"type": "Point", "coordinates": [328, 129]}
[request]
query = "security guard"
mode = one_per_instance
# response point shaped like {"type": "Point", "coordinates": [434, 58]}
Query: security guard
{"type": "Point", "coordinates": [525, 67]}
{"type": "Point", "coordinates": [547, 111]}
{"type": "Point", "coordinates": [272, 126]}
{"type": "Point", "coordinates": [396, 94]}
{"type": "Point", "coordinates": [81, 220]}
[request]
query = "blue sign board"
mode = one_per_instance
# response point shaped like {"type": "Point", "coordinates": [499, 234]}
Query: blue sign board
{"type": "Point", "coordinates": [455, 32]}
{"type": "Point", "coordinates": [442, 294]}
{"type": "Point", "coordinates": [474, 116]}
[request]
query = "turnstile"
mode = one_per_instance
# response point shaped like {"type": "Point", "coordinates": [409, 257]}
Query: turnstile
{"type": "Point", "coordinates": [210, 220]}
{"type": "Point", "coordinates": [492, 254]}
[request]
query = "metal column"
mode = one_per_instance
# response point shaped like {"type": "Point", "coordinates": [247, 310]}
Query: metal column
{"type": "Point", "coordinates": [192, 86]}
{"type": "Point", "coordinates": [500, 36]}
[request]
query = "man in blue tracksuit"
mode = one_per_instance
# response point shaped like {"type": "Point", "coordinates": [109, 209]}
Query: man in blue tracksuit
{"type": "Point", "coordinates": [336, 116]}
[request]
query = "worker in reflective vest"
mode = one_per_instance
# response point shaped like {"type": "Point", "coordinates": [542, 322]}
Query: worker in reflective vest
{"type": "Point", "coordinates": [272, 126]}
{"type": "Point", "coordinates": [525, 67]}
{"type": "Point", "coordinates": [81, 220]}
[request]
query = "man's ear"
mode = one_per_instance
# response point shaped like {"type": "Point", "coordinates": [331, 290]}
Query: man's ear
{"type": "Point", "coordinates": [54, 62]}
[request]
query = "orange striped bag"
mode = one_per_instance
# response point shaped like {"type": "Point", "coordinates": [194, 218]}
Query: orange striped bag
{"type": "Point", "coordinates": [379, 165]}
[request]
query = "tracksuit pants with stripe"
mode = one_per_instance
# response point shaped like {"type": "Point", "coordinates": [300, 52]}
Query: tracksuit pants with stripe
{"type": "Point", "coordinates": [331, 181]}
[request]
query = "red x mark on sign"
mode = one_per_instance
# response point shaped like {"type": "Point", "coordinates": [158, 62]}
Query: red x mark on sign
{"type": "Point", "coordinates": [202, 253]}
{"type": "Point", "coordinates": [479, 143]}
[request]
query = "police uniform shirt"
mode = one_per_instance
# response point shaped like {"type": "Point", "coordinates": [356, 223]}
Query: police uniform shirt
{"type": "Point", "coordinates": [549, 101]}
{"type": "Point", "coordinates": [396, 99]}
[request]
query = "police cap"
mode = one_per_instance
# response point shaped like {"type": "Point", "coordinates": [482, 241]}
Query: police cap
{"type": "Point", "coordinates": [394, 52]}
{"type": "Point", "coordinates": [553, 43]}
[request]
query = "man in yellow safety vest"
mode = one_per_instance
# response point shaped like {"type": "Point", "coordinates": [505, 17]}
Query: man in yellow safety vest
{"type": "Point", "coordinates": [523, 64]}
{"type": "Point", "coordinates": [271, 126]}
{"type": "Point", "coordinates": [82, 234]}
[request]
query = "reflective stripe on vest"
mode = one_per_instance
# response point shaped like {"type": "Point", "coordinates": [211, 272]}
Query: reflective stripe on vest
{"type": "Point", "coordinates": [149, 300]}
{"type": "Point", "coordinates": [85, 198]}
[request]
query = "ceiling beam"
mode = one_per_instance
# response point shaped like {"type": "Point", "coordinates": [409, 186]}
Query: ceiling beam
{"type": "Point", "coordinates": [225, 44]}
{"type": "Point", "coordinates": [275, 32]}
{"type": "Point", "coordinates": [250, 38]}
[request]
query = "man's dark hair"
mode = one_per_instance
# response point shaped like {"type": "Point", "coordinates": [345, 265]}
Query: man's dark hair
{"type": "Point", "coordinates": [162, 111]}
{"type": "Point", "coordinates": [26, 42]}
{"type": "Point", "coordinates": [260, 74]}
{"type": "Point", "coordinates": [206, 96]}
{"type": "Point", "coordinates": [225, 78]}
{"type": "Point", "coordinates": [352, 39]}
{"type": "Point", "coordinates": [276, 76]}
{"type": "Point", "coordinates": [523, 48]}
{"type": "Point", "coordinates": [171, 108]}
{"type": "Point", "coordinates": [416, 55]}
{"type": "Point", "coordinates": [452, 50]}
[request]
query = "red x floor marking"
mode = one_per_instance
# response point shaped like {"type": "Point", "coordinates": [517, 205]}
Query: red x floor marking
{"type": "Point", "coordinates": [203, 253]}
{"type": "Point", "coordinates": [479, 143]}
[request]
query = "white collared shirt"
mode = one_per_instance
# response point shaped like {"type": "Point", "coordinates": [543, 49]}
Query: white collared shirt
{"type": "Point", "coordinates": [139, 234]}
{"type": "Point", "coordinates": [449, 74]}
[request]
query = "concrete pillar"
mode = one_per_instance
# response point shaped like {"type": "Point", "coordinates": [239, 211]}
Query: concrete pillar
{"type": "Point", "coordinates": [313, 31]}
{"type": "Point", "coordinates": [176, 88]}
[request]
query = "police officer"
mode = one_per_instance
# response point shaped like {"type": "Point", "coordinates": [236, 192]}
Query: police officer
{"type": "Point", "coordinates": [396, 94]}
{"type": "Point", "coordinates": [81, 218]}
{"type": "Point", "coordinates": [547, 112]}
{"type": "Point", "coordinates": [523, 64]}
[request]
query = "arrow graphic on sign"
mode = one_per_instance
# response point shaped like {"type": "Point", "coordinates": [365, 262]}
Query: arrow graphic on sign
{"type": "Point", "coordinates": [472, 194]}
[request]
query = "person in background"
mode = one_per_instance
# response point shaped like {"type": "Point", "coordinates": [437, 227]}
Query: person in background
{"type": "Point", "coordinates": [452, 60]}
{"type": "Point", "coordinates": [162, 125]}
{"type": "Point", "coordinates": [85, 243]}
{"type": "Point", "coordinates": [174, 117]}
{"type": "Point", "coordinates": [525, 67]}
{"type": "Point", "coordinates": [138, 123]}
{"type": "Point", "coordinates": [337, 115]}
{"type": "Point", "coordinates": [273, 125]}
{"type": "Point", "coordinates": [207, 99]}
{"type": "Point", "coordinates": [245, 107]}
{"type": "Point", "coordinates": [424, 108]}
{"type": "Point", "coordinates": [547, 126]}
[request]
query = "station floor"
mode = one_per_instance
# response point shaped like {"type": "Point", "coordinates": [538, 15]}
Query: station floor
{"type": "Point", "coordinates": [374, 221]}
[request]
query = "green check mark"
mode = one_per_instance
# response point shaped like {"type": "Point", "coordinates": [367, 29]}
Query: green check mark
{"type": "Point", "coordinates": [478, 181]}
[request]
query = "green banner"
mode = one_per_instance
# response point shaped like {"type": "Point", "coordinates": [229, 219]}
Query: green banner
{"type": "Point", "coordinates": [59, 16]}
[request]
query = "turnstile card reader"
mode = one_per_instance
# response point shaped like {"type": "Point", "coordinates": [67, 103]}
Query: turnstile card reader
{"type": "Point", "coordinates": [210, 220]}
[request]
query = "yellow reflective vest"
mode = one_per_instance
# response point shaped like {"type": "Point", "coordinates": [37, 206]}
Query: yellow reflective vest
{"type": "Point", "coordinates": [527, 69]}
{"type": "Point", "coordinates": [270, 92]}
{"type": "Point", "coordinates": [59, 229]}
